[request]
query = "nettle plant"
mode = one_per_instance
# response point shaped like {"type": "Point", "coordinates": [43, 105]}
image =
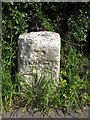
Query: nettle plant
{"type": "Point", "coordinates": [13, 24]}
{"type": "Point", "coordinates": [75, 78]}
{"type": "Point", "coordinates": [78, 25]}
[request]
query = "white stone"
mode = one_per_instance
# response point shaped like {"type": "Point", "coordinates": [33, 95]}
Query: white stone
{"type": "Point", "coordinates": [40, 49]}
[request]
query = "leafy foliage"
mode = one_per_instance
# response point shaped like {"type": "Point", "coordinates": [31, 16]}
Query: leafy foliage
{"type": "Point", "coordinates": [78, 26]}
{"type": "Point", "coordinates": [72, 21]}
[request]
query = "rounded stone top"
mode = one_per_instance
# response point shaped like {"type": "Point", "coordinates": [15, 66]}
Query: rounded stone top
{"type": "Point", "coordinates": [40, 33]}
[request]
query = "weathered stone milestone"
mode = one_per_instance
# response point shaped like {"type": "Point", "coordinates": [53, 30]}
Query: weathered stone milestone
{"type": "Point", "coordinates": [41, 49]}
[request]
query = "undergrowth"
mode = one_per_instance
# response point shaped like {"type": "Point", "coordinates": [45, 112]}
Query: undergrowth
{"type": "Point", "coordinates": [47, 94]}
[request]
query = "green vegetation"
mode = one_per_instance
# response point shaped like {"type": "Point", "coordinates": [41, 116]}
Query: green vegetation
{"type": "Point", "coordinates": [72, 21]}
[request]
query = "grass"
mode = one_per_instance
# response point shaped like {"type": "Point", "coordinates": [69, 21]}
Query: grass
{"type": "Point", "coordinates": [44, 93]}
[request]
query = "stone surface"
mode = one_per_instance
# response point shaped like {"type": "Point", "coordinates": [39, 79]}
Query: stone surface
{"type": "Point", "coordinates": [74, 115]}
{"type": "Point", "coordinates": [41, 49]}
